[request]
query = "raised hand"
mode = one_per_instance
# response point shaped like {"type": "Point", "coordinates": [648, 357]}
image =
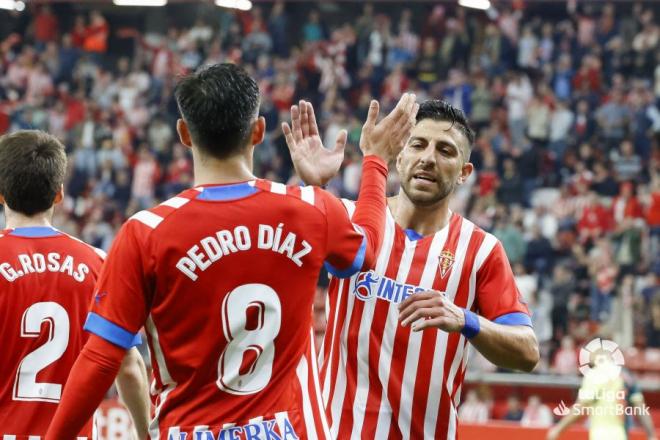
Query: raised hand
{"type": "Point", "coordinates": [387, 137]}
{"type": "Point", "coordinates": [315, 164]}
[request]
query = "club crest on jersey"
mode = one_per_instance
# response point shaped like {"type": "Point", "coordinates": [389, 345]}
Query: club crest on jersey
{"type": "Point", "coordinates": [446, 262]}
{"type": "Point", "coordinates": [369, 285]}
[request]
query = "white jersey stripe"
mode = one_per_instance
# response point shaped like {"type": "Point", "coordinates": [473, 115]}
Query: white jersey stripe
{"type": "Point", "coordinates": [350, 206]}
{"type": "Point", "coordinates": [484, 250]}
{"type": "Point", "coordinates": [165, 377]}
{"type": "Point", "coordinates": [340, 378]}
{"type": "Point", "coordinates": [415, 338]}
{"type": "Point", "coordinates": [453, 417]}
{"type": "Point", "coordinates": [438, 368]}
{"type": "Point", "coordinates": [467, 228]}
{"type": "Point", "coordinates": [148, 218]}
{"type": "Point", "coordinates": [387, 344]}
{"type": "Point", "coordinates": [307, 194]}
{"type": "Point", "coordinates": [277, 188]}
{"type": "Point", "coordinates": [328, 369]}
{"type": "Point", "coordinates": [362, 391]}
{"type": "Point", "coordinates": [317, 391]}
{"type": "Point", "coordinates": [303, 378]}
{"type": "Point", "coordinates": [8, 437]}
{"type": "Point", "coordinates": [175, 202]}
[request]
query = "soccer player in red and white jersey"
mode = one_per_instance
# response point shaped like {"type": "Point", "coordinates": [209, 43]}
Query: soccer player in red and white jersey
{"type": "Point", "coordinates": [223, 277]}
{"type": "Point", "coordinates": [382, 377]}
{"type": "Point", "coordinates": [46, 285]}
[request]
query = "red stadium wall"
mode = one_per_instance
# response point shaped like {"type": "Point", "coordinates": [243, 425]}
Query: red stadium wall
{"type": "Point", "coordinates": [506, 431]}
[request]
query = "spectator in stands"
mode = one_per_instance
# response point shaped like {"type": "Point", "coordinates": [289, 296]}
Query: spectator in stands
{"type": "Point", "coordinates": [46, 26]}
{"type": "Point", "coordinates": [566, 360]}
{"type": "Point", "coordinates": [473, 410]}
{"type": "Point", "coordinates": [536, 413]}
{"type": "Point", "coordinates": [514, 411]}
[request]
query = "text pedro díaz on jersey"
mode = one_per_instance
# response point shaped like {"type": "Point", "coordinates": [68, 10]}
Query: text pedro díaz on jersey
{"type": "Point", "coordinates": [212, 248]}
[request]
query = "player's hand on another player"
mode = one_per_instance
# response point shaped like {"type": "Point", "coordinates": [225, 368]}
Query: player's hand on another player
{"type": "Point", "coordinates": [315, 164]}
{"type": "Point", "coordinates": [387, 137]}
{"type": "Point", "coordinates": [431, 309]}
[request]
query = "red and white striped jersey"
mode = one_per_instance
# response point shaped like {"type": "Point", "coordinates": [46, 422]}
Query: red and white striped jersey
{"type": "Point", "coordinates": [46, 285]}
{"type": "Point", "coordinates": [224, 277]}
{"type": "Point", "coordinates": [380, 380]}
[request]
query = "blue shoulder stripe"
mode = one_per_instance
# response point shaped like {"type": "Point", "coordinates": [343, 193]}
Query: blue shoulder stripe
{"type": "Point", "coordinates": [515, 318]}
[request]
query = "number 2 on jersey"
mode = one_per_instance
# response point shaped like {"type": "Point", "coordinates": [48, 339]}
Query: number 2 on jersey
{"type": "Point", "coordinates": [251, 319]}
{"type": "Point", "coordinates": [26, 386]}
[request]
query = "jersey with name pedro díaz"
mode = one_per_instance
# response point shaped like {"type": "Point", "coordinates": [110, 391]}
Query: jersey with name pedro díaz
{"type": "Point", "coordinates": [223, 278]}
{"type": "Point", "coordinates": [46, 284]}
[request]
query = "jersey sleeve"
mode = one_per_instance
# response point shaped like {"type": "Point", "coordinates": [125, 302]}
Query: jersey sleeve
{"type": "Point", "coordinates": [498, 297]}
{"type": "Point", "coordinates": [346, 242]}
{"type": "Point", "coordinates": [122, 294]}
{"type": "Point", "coordinates": [352, 245]}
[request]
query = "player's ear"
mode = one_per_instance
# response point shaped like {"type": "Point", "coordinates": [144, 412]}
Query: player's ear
{"type": "Point", "coordinates": [398, 162]}
{"type": "Point", "coordinates": [466, 170]}
{"type": "Point", "coordinates": [258, 130]}
{"type": "Point", "coordinates": [184, 132]}
{"type": "Point", "coordinates": [59, 196]}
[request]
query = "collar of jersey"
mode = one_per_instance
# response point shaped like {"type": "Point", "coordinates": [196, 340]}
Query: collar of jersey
{"type": "Point", "coordinates": [233, 191]}
{"type": "Point", "coordinates": [34, 232]}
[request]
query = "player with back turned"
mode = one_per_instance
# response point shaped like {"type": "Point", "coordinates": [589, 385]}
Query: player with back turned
{"type": "Point", "coordinates": [223, 277]}
{"type": "Point", "coordinates": [394, 353]}
{"type": "Point", "coordinates": [46, 285]}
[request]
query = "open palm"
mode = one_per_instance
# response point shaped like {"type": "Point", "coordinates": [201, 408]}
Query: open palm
{"type": "Point", "coordinates": [314, 163]}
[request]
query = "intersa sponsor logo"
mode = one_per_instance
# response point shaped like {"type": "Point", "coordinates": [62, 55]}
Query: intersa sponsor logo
{"type": "Point", "coordinates": [370, 285]}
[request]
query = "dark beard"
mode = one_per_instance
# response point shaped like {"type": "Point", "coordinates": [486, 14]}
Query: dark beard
{"type": "Point", "coordinates": [446, 188]}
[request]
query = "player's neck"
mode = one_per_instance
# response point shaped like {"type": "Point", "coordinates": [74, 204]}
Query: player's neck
{"type": "Point", "coordinates": [16, 220]}
{"type": "Point", "coordinates": [209, 170]}
{"type": "Point", "coordinates": [424, 220]}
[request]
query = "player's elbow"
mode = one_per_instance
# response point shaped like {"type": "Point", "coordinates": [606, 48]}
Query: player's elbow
{"type": "Point", "coordinates": [132, 371]}
{"type": "Point", "coordinates": [529, 356]}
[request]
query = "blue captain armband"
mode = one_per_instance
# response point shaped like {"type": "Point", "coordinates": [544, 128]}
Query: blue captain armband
{"type": "Point", "coordinates": [111, 332]}
{"type": "Point", "coordinates": [472, 326]}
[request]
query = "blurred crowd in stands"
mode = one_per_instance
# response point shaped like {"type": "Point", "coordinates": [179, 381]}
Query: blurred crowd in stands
{"type": "Point", "coordinates": [565, 101]}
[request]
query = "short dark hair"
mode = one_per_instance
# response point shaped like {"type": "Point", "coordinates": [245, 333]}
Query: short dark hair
{"type": "Point", "coordinates": [32, 170]}
{"type": "Point", "coordinates": [439, 110]}
{"type": "Point", "coordinates": [218, 102]}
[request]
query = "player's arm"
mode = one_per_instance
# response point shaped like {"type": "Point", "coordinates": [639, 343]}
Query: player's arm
{"type": "Point", "coordinates": [133, 386]}
{"type": "Point", "coordinates": [573, 416]}
{"type": "Point", "coordinates": [354, 245]}
{"type": "Point", "coordinates": [575, 413]}
{"type": "Point", "coordinates": [502, 332]}
{"type": "Point", "coordinates": [117, 314]}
